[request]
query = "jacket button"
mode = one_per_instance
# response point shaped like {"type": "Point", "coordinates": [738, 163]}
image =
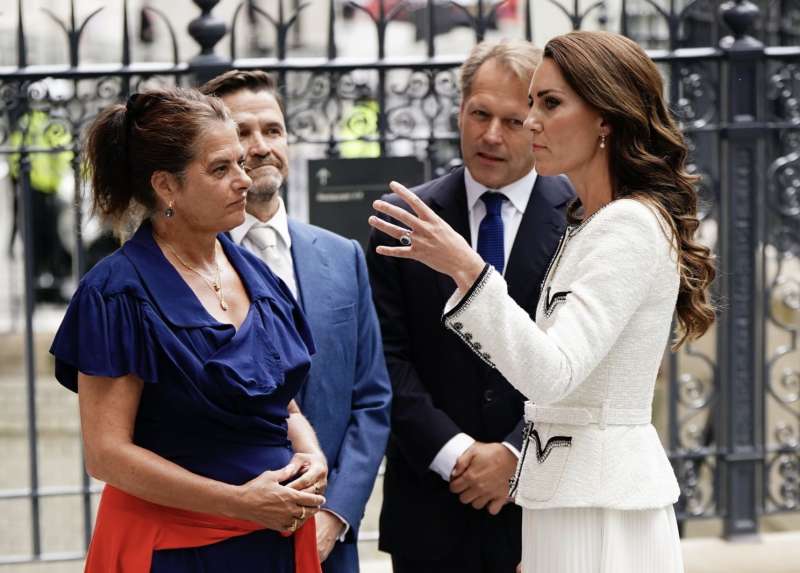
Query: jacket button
{"type": "Point", "coordinates": [488, 395]}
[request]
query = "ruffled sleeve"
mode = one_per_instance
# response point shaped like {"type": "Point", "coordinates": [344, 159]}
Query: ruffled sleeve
{"type": "Point", "coordinates": [104, 335]}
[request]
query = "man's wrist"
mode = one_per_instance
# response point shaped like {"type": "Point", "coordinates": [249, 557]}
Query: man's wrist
{"type": "Point", "coordinates": [511, 448]}
{"type": "Point", "coordinates": [447, 457]}
{"type": "Point", "coordinates": [344, 527]}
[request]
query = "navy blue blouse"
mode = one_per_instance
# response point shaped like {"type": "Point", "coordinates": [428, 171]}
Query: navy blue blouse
{"type": "Point", "coordinates": [215, 398]}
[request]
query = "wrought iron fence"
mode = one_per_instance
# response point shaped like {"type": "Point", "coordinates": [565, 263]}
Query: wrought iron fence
{"type": "Point", "coordinates": [733, 76]}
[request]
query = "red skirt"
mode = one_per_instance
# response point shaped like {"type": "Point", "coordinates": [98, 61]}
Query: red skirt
{"type": "Point", "coordinates": [129, 529]}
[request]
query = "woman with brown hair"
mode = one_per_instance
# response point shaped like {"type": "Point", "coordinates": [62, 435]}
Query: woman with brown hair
{"type": "Point", "coordinates": [594, 481]}
{"type": "Point", "coordinates": [186, 351]}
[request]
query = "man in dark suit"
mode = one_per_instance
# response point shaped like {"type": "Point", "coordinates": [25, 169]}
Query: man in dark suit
{"type": "Point", "coordinates": [347, 396]}
{"type": "Point", "coordinates": [456, 423]}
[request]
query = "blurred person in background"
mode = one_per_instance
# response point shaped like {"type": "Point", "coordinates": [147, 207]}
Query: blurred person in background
{"type": "Point", "coordinates": [49, 164]}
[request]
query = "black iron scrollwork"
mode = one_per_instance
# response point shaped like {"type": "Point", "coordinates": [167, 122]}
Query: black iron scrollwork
{"type": "Point", "coordinates": [332, 108]}
{"type": "Point", "coordinates": [782, 291]}
{"type": "Point", "coordinates": [697, 104]}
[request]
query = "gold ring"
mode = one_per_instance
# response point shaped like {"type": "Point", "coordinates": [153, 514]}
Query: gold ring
{"type": "Point", "coordinates": [293, 527]}
{"type": "Point", "coordinates": [316, 489]}
{"type": "Point", "coordinates": [303, 514]}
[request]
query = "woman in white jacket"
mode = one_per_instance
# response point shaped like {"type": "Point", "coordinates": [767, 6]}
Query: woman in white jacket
{"type": "Point", "coordinates": [593, 478]}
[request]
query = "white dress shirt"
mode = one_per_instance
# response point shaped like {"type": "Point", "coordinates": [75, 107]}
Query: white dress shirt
{"type": "Point", "coordinates": [274, 247]}
{"type": "Point", "coordinates": [518, 193]}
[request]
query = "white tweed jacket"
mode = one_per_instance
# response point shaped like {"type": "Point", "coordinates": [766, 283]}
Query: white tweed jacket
{"type": "Point", "coordinates": [588, 364]}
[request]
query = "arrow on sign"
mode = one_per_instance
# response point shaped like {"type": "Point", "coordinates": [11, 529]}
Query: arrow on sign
{"type": "Point", "coordinates": [322, 176]}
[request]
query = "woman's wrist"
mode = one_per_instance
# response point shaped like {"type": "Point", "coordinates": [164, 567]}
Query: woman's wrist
{"type": "Point", "coordinates": [231, 501]}
{"type": "Point", "coordinates": [466, 275]}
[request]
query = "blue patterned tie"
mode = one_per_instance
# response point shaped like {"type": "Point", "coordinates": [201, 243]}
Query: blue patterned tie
{"type": "Point", "coordinates": [490, 232]}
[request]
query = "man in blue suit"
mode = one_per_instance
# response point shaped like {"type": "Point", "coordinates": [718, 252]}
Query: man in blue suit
{"type": "Point", "coordinates": [347, 396]}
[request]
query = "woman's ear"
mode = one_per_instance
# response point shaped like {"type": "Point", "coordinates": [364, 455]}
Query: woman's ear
{"type": "Point", "coordinates": [165, 185]}
{"type": "Point", "coordinates": [605, 127]}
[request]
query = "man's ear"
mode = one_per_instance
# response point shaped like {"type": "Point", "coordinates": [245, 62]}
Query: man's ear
{"type": "Point", "coordinates": [165, 185]}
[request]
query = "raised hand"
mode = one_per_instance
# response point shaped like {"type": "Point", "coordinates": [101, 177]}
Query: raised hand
{"type": "Point", "coordinates": [427, 238]}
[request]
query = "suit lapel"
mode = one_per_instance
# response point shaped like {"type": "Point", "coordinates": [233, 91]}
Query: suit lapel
{"type": "Point", "coordinates": [449, 201]}
{"type": "Point", "coordinates": [310, 268]}
{"type": "Point", "coordinates": [538, 234]}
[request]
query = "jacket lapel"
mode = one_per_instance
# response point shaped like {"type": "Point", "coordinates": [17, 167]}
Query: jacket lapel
{"type": "Point", "coordinates": [310, 268]}
{"type": "Point", "coordinates": [539, 232]}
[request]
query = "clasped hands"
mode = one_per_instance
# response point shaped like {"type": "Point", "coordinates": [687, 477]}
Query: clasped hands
{"type": "Point", "coordinates": [273, 501]}
{"type": "Point", "coordinates": [481, 474]}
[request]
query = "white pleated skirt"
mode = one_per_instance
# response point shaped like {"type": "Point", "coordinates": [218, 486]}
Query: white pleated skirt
{"type": "Point", "coordinates": [596, 540]}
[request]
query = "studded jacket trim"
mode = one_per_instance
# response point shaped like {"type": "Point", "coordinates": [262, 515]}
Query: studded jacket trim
{"type": "Point", "coordinates": [551, 302]}
{"type": "Point", "coordinates": [450, 319]}
{"type": "Point", "coordinates": [531, 435]}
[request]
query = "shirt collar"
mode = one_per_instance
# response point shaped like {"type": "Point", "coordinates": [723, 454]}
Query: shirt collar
{"type": "Point", "coordinates": [518, 192]}
{"type": "Point", "coordinates": [279, 222]}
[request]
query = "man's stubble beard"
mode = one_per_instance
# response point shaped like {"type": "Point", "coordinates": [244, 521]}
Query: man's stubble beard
{"type": "Point", "coordinates": [262, 197]}
{"type": "Point", "coordinates": [265, 189]}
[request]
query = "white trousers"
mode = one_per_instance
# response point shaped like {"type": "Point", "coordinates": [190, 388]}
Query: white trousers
{"type": "Point", "coordinates": [596, 540]}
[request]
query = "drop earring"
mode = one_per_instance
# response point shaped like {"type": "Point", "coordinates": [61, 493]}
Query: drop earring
{"type": "Point", "coordinates": [169, 212]}
{"type": "Point", "coordinates": [603, 141]}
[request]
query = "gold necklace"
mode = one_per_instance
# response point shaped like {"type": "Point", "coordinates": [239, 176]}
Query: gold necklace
{"type": "Point", "coordinates": [214, 285]}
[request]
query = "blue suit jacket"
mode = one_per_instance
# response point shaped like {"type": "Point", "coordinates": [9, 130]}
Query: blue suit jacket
{"type": "Point", "coordinates": [347, 397]}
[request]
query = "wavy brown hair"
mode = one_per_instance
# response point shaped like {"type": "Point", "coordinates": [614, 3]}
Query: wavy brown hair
{"type": "Point", "coordinates": [647, 152]}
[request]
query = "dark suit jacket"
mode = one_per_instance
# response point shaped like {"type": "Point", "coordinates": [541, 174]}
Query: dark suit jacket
{"type": "Point", "coordinates": [348, 393]}
{"type": "Point", "coordinates": [440, 387]}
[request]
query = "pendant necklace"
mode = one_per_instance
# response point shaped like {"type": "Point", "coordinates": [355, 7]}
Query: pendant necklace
{"type": "Point", "coordinates": [214, 284]}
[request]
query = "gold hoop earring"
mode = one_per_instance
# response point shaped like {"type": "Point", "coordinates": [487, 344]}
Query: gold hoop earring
{"type": "Point", "coordinates": [169, 212]}
{"type": "Point", "coordinates": [603, 141]}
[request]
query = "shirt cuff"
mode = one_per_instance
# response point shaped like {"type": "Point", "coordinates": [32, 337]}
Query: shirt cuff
{"type": "Point", "coordinates": [511, 447]}
{"type": "Point", "coordinates": [446, 459]}
{"type": "Point", "coordinates": [343, 520]}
